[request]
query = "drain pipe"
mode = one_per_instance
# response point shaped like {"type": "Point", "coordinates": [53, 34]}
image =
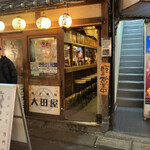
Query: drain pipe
{"type": "Point", "coordinates": [112, 105]}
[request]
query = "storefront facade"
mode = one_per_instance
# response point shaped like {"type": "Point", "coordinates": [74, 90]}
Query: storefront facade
{"type": "Point", "coordinates": [42, 79]}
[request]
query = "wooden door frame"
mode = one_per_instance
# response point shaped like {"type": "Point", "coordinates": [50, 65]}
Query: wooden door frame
{"type": "Point", "coordinates": [25, 36]}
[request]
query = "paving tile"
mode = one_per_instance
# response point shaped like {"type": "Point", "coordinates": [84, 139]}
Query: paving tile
{"type": "Point", "coordinates": [113, 143]}
{"type": "Point", "coordinates": [140, 146]}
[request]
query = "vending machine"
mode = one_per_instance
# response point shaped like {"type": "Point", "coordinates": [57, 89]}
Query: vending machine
{"type": "Point", "coordinates": [147, 80]}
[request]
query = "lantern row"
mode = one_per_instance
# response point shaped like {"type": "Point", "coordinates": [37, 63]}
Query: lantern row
{"type": "Point", "coordinates": [43, 22]}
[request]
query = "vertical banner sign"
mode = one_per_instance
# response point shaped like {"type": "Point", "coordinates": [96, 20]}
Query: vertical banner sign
{"type": "Point", "coordinates": [7, 101]}
{"type": "Point", "coordinates": [44, 99]}
{"type": "Point", "coordinates": [104, 78]}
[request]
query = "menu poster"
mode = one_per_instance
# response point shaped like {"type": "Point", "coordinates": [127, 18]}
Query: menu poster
{"type": "Point", "coordinates": [43, 56]}
{"type": "Point", "coordinates": [104, 78]}
{"type": "Point", "coordinates": [147, 89]}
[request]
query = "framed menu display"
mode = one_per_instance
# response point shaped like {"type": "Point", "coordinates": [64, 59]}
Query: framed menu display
{"type": "Point", "coordinates": [43, 57]}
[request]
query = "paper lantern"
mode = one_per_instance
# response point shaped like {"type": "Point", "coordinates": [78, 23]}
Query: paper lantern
{"type": "Point", "coordinates": [18, 23]}
{"type": "Point", "coordinates": [2, 26]}
{"type": "Point", "coordinates": [65, 20]}
{"type": "Point", "coordinates": [43, 23]}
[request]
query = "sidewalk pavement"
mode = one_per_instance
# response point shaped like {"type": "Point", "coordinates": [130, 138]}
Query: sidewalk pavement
{"type": "Point", "coordinates": [62, 140]}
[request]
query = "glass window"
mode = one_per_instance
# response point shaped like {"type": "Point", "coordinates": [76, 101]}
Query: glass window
{"type": "Point", "coordinates": [78, 58]}
{"type": "Point", "coordinates": [13, 50]}
{"type": "Point", "coordinates": [43, 57]}
{"type": "Point", "coordinates": [88, 56]}
{"type": "Point", "coordinates": [67, 55]}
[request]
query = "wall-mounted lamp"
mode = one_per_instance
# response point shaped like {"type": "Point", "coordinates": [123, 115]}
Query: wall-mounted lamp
{"type": "Point", "coordinates": [18, 23]}
{"type": "Point", "coordinates": [65, 20]}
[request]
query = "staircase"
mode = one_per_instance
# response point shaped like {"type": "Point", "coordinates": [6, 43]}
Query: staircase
{"type": "Point", "coordinates": [130, 92]}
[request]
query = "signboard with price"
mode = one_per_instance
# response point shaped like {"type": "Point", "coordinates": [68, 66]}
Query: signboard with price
{"type": "Point", "coordinates": [104, 78]}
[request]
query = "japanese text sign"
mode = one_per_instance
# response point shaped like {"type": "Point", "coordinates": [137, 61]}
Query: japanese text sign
{"type": "Point", "coordinates": [104, 78]}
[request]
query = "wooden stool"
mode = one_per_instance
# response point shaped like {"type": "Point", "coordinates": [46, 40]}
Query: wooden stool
{"type": "Point", "coordinates": [80, 85]}
{"type": "Point", "coordinates": [87, 89]}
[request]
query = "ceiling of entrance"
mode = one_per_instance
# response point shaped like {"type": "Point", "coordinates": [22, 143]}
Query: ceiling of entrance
{"type": "Point", "coordinates": [15, 6]}
{"type": "Point", "coordinates": [140, 9]}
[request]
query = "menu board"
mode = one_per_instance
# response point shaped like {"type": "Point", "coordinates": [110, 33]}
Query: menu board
{"type": "Point", "coordinates": [7, 101]}
{"type": "Point", "coordinates": [43, 56]}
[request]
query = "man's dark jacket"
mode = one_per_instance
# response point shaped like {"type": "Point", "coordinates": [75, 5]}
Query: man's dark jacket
{"type": "Point", "coordinates": [8, 72]}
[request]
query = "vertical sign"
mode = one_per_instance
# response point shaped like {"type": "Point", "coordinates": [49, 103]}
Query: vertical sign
{"type": "Point", "coordinates": [7, 101]}
{"type": "Point", "coordinates": [104, 78]}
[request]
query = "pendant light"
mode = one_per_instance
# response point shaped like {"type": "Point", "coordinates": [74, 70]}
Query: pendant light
{"type": "Point", "coordinates": [18, 23]}
{"type": "Point", "coordinates": [2, 26]}
{"type": "Point", "coordinates": [65, 20]}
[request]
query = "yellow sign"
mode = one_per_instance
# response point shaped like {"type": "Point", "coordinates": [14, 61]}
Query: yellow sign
{"type": "Point", "coordinates": [104, 78]}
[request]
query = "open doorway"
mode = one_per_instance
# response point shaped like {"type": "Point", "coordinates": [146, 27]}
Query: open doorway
{"type": "Point", "coordinates": [129, 77]}
{"type": "Point", "coordinates": [80, 56]}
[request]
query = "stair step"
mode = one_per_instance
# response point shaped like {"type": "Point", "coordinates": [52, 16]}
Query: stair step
{"type": "Point", "coordinates": [132, 40]}
{"type": "Point", "coordinates": [129, 102]}
{"type": "Point", "coordinates": [124, 84]}
{"type": "Point", "coordinates": [131, 70]}
{"type": "Point", "coordinates": [128, 58]}
{"type": "Point", "coordinates": [131, 93]}
{"type": "Point", "coordinates": [128, 36]}
{"type": "Point", "coordinates": [131, 77]}
{"type": "Point", "coordinates": [131, 64]}
{"type": "Point", "coordinates": [133, 22]}
{"type": "Point", "coordinates": [132, 52]}
{"type": "Point", "coordinates": [139, 46]}
{"type": "Point", "coordinates": [132, 49]}
{"type": "Point", "coordinates": [132, 31]}
{"type": "Point", "coordinates": [128, 27]}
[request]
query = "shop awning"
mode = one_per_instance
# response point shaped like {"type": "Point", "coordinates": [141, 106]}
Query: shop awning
{"type": "Point", "coordinates": [139, 10]}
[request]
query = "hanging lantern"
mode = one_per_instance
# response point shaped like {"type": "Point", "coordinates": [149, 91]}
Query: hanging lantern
{"type": "Point", "coordinates": [2, 26]}
{"type": "Point", "coordinates": [18, 23]}
{"type": "Point", "coordinates": [43, 23]}
{"type": "Point", "coordinates": [65, 20]}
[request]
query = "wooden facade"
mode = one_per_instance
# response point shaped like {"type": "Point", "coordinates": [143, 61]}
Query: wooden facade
{"type": "Point", "coordinates": [65, 76]}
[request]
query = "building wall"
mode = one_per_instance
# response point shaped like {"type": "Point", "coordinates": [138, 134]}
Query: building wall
{"type": "Point", "coordinates": [117, 54]}
{"type": "Point", "coordinates": [126, 3]}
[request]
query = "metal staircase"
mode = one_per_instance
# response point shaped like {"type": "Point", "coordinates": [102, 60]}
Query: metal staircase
{"type": "Point", "coordinates": [130, 92]}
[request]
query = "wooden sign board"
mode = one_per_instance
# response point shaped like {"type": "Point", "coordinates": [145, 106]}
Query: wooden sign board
{"type": "Point", "coordinates": [104, 78]}
{"type": "Point", "coordinates": [12, 118]}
